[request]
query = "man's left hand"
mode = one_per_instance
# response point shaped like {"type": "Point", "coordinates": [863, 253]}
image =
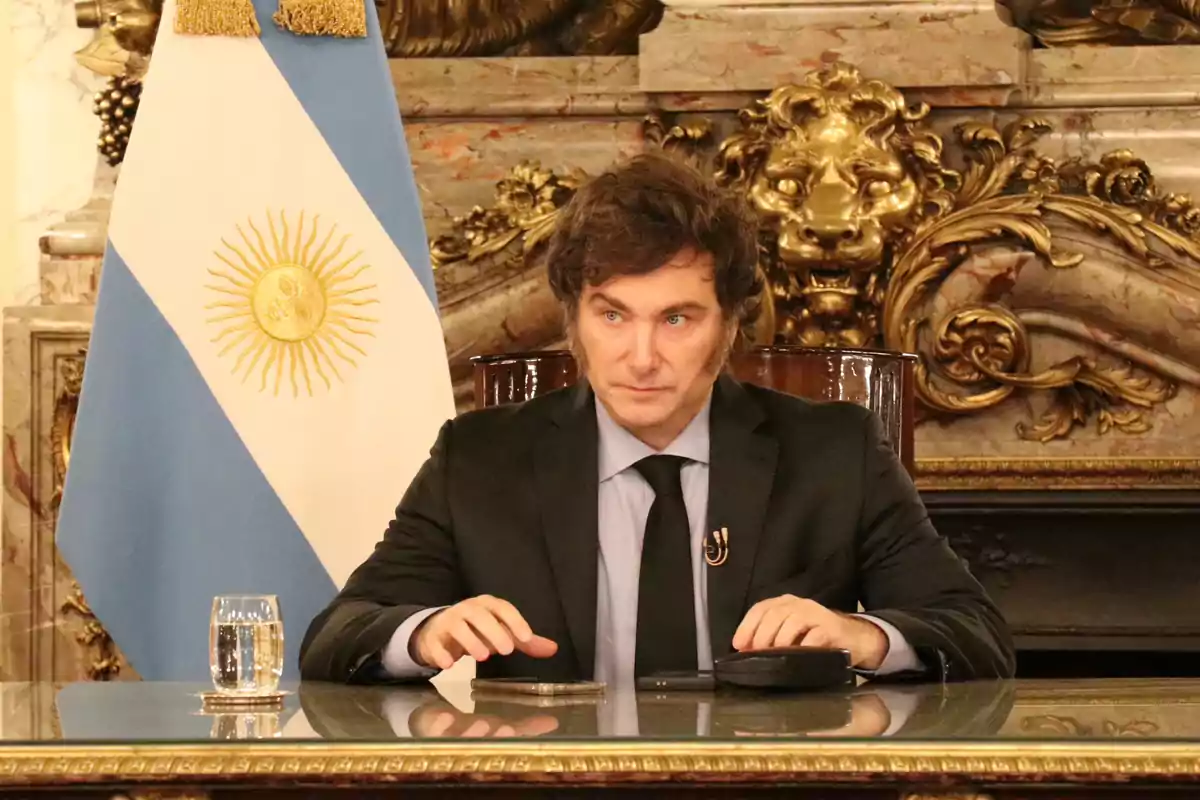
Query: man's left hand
{"type": "Point", "coordinates": [789, 620]}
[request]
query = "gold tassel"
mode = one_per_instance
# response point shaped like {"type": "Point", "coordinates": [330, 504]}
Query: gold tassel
{"type": "Point", "coordinates": [216, 18]}
{"type": "Point", "coordinates": [344, 18]}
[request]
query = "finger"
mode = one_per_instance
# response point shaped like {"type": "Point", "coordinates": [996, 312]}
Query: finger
{"type": "Point", "coordinates": [494, 635]}
{"type": "Point", "coordinates": [539, 725]}
{"type": "Point", "coordinates": [507, 613]}
{"type": "Point", "coordinates": [744, 634]}
{"type": "Point", "coordinates": [462, 633]}
{"type": "Point", "coordinates": [867, 719]}
{"type": "Point", "coordinates": [504, 732]}
{"type": "Point", "coordinates": [791, 631]}
{"type": "Point", "coordinates": [438, 654]}
{"type": "Point", "coordinates": [817, 637]}
{"type": "Point", "coordinates": [769, 627]}
{"type": "Point", "coordinates": [441, 723]}
{"type": "Point", "coordinates": [538, 647]}
{"type": "Point", "coordinates": [477, 729]}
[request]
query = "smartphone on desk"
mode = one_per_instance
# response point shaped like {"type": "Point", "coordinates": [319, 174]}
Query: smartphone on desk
{"type": "Point", "coordinates": [535, 687]}
{"type": "Point", "coordinates": [694, 681]}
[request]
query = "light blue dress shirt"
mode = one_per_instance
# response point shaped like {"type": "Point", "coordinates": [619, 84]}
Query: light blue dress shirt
{"type": "Point", "coordinates": [624, 505]}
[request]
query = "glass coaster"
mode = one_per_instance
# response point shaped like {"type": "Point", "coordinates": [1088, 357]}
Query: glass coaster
{"type": "Point", "coordinates": [223, 700]}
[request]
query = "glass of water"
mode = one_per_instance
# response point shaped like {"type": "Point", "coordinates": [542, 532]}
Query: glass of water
{"type": "Point", "coordinates": [245, 644]}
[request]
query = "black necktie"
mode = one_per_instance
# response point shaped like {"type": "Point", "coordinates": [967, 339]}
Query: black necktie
{"type": "Point", "coordinates": [666, 618]}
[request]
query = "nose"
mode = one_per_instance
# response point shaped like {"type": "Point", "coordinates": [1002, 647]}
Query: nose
{"type": "Point", "coordinates": [829, 213]}
{"type": "Point", "coordinates": [830, 232]}
{"type": "Point", "coordinates": [644, 356]}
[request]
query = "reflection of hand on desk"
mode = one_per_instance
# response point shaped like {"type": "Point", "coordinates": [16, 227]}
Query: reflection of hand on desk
{"type": "Point", "coordinates": [439, 719]}
{"type": "Point", "coordinates": [865, 713]}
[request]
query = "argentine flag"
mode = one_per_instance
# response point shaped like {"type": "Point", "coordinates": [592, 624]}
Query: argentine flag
{"type": "Point", "coordinates": [267, 370]}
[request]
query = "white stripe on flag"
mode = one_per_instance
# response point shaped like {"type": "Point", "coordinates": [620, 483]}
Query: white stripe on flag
{"type": "Point", "coordinates": [341, 458]}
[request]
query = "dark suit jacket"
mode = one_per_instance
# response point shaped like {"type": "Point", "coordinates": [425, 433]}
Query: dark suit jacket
{"type": "Point", "coordinates": [816, 503]}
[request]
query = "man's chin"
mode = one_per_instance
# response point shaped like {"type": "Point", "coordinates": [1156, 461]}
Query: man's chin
{"type": "Point", "coordinates": [636, 415]}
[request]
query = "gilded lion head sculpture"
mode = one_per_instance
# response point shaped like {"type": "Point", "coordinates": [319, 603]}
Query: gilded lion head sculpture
{"type": "Point", "coordinates": [837, 168]}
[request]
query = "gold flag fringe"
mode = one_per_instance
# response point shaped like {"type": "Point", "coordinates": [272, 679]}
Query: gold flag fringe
{"type": "Point", "coordinates": [344, 18]}
{"type": "Point", "coordinates": [216, 18]}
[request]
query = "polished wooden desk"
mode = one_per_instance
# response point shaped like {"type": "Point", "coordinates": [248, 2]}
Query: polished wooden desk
{"type": "Point", "coordinates": [992, 741]}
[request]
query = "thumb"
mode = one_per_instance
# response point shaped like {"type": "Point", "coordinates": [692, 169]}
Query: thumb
{"type": "Point", "coordinates": [538, 647]}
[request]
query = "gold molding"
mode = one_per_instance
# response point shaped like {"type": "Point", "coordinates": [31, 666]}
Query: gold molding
{"type": "Point", "coordinates": [106, 663]}
{"type": "Point", "coordinates": [1062, 23]}
{"type": "Point", "coordinates": [608, 761]}
{"type": "Point", "coordinates": [946, 474]}
{"type": "Point", "coordinates": [69, 382]}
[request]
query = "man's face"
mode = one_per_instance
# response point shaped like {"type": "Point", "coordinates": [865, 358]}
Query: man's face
{"type": "Point", "coordinates": [651, 345]}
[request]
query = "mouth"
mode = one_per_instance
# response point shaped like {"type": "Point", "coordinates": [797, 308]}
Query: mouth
{"type": "Point", "coordinates": [642, 390]}
{"type": "Point", "coordinates": [831, 280]}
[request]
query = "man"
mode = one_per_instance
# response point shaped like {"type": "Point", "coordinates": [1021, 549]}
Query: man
{"type": "Point", "coordinates": [564, 537]}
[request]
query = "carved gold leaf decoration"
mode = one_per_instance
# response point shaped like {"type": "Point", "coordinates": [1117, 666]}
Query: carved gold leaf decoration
{"type": "Point", "coordinates": [527, 201]}
{"type": "Point", "coordinates": [106, 663]}
{"type": "Point", "coordinates": [1112, 22]}
{"type": "Point", "coordinates": [1060, 726]}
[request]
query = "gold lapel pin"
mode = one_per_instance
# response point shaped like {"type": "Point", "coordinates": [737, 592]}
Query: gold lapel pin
{"type": "Point", "coordinates": [716, 548]}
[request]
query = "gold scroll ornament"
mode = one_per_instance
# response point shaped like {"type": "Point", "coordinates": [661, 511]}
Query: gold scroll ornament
{"type": "Point", "coordinates": [106, 660]}
{"type": "Point", "coordinates": [1061, 23]}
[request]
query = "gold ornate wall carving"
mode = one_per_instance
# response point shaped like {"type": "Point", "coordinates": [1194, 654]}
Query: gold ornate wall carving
{"type": "Point", "coordinates": [457, 29]}
{"type": "Point", "coordinates": [1112, 22]}
{"type": "Point", "coordinates": [105, 663]}
{"type": "Point", "coordinates": [103, 660]}
{"type": "Point", "coordinates": [868, 225]}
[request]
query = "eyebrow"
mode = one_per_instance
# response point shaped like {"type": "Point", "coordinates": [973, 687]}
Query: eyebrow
{"type": "Point", "coordinates": [678, 308]}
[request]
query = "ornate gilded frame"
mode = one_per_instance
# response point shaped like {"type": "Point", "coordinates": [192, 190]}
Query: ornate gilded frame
{"type": "Point", "coordinates": [607, 762]}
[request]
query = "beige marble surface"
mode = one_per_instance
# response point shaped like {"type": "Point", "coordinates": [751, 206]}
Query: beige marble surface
{"type": "Point", "coordinates": [458, 163]}
{"type": "Point", "coordinates": [55, 129]}
{"type": "Point", "coordinates": [529, 87]}
{"type": "Point", "coordinates": [1113, 76]}
{"type": "Point", "coordinates": [907, 44]}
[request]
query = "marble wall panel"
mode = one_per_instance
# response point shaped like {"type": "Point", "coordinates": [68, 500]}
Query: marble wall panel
{"type": "Point", "coordinates": [457, 163]}
{"type": "Point", "coordinates": [757, 48]}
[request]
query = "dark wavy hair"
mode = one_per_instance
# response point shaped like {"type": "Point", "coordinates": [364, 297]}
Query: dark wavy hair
{"type": "Point", "coordinates": [634, 217]}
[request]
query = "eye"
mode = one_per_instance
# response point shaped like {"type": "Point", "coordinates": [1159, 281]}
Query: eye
{"type": "Point", "coordinates": [675, 320]}
{"type": "Point", "coordinates": [787, 186]}
{"type": "Point", "coordinates": [612, 316]}
{"type": "Point", "coordinates": [877, 188]}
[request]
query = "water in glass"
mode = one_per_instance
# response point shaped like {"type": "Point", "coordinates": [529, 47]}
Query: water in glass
{"type": "Point", "coordinates": [246, 644]}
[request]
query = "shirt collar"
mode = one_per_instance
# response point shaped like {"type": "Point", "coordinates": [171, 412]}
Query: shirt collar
{"type": "Point", "coordinates": [620, 449]}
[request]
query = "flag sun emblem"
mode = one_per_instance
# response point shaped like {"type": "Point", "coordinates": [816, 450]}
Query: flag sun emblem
{"type": "Point", "coordinates": [291, 305]}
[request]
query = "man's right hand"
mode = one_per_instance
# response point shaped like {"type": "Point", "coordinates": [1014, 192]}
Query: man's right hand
{"type": "Point", "coordinates": [477, 627]}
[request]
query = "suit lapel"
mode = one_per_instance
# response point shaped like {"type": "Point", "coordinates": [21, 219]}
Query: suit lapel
{"type": "Point", "coordinates": [741, 474]}
{"type": "Point", "coordinates": [566, 478]}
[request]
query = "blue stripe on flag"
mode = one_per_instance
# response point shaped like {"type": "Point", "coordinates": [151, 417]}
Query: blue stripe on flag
{"type": "Point", "coordinates": [164, 506]}
{"type": "Point", "coordinates": [346, 90]}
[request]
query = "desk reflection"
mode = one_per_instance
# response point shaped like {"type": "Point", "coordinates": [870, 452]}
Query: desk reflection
{"type": "Point", "coordinates": [952, 710]}
{"type": "Point", "coordinates": [143, 712]}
